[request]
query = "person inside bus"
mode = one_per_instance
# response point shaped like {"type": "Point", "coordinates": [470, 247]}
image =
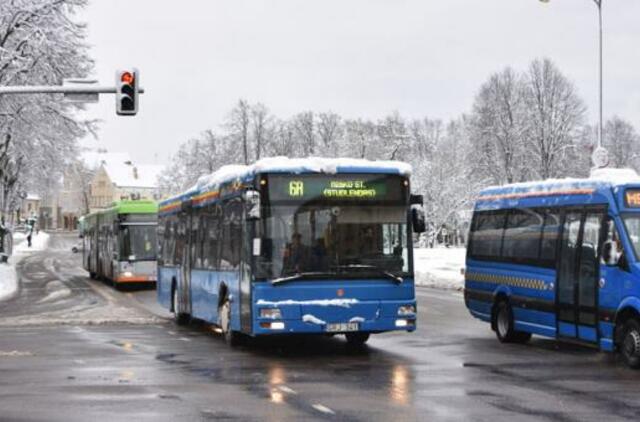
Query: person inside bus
{"type": "Point", "coordinates": [296, 255]}
{"type": "Point", "coordinates": [318, 256]}
{"type": "Point", "coordinates": [368, 241]}
{"type": "Point", "coordinates": [613, 251]}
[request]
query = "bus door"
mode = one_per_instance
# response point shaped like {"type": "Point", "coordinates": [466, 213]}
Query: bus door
{"type": "Point", "coordinates": [184, 227]}
{"type": "Point", "coordinates": [578, 274]}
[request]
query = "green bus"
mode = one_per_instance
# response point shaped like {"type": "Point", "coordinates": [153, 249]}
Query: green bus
{"type": "Point", "coordinates": [119, 243]}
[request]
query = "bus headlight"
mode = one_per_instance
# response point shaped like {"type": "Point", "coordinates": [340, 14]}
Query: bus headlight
{"type": "Point", "coordinates": [277, 325]}
{"type": "Point", "coordinates": [271, 313]}
{"type": "Point", "coordinates": [406, 310]}
{"type": "Point", "coordinates": [128, 274]}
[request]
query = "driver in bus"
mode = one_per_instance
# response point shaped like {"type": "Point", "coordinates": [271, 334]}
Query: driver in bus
{"type": "Point", "coordinates": [613, 250]}
{"type": "Point", "coordinates": [295, 254]}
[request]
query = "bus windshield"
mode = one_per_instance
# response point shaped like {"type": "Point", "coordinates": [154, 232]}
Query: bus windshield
{"type": "Point", "coordinates": [138, 242]}
{"type": "Point", "coordinates": [632, 223]}
{"type": "Point", "coordinates": [325, 239]}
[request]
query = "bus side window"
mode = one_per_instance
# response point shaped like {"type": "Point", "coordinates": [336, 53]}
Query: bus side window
{"type": "Point", "coordinates": [550, 237]}
{"type": "Point", "coordinates": [612, 249]}
{"type": "Point", "coordinates": [487, 233]}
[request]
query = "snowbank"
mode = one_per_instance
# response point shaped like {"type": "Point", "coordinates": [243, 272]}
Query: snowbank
{"type": "Point", "coordinates": [439, 267]}
{"type": "Point", "coordinates": [39, 242]}
{"type": "Point", "coordinates": [8, 281]}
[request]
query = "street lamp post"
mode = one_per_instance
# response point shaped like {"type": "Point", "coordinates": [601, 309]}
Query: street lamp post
{"type": "Point", "coordinates": [599, 5]}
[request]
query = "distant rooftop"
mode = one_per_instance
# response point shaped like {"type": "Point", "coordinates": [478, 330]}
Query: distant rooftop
{"type": "Point", "coordinates": [122, 171]}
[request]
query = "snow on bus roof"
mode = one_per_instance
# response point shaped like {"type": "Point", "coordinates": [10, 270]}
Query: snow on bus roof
{"type": "Point", "coordinates": [291, 165]}
{"type": "Point", "coordinates": [606, 177]}
{"type": "Point", "coordinates": [297, 166]}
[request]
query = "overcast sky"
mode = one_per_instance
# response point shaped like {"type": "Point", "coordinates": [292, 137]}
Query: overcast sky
{"type": "Point", "coordinates": [359, 58]}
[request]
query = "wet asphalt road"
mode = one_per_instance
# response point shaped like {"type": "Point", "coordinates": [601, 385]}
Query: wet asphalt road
{"type": "Point", "coordinates": [137, 365]}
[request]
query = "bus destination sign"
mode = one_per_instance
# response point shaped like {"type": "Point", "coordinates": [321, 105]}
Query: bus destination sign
{"type": "Point", "coordinates": [366, 188]}
{"type": "Point", "coordinates": [632, 198]}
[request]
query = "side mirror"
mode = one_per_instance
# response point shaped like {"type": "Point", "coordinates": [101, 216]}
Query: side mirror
{"type": "Point", "coordinates": [252, 201]}
{"type": "Point", "coordinates": [610, 253]}
{"type": "Point", "coordinates": [418, 220]}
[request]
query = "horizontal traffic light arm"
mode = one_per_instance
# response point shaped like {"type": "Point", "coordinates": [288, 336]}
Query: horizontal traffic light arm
{"type": "Point", "coordinates": [60, 89]}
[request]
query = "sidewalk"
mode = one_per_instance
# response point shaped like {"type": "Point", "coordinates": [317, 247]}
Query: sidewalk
{"type": "Point", "coordinates": [8, 280]}
{"type": "Point", "coordinates": [8, 275]}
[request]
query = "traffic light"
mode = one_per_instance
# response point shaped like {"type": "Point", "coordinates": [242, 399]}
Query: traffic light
{"type": "Point", "coordinates": [127, 82]}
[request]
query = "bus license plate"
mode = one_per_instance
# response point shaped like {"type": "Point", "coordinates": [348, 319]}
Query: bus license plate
{"type": "Point", "coordinates": [342, 327]}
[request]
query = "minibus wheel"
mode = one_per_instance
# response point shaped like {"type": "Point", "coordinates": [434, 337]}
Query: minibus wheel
{"type": "Point", "coordinates": [503, 322]}
{"type": "Point", "coordinates": [179, 317]}
{"type": "Point", "coordinates": [630, 347]}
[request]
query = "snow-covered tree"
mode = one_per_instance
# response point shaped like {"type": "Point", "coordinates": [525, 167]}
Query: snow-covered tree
{"type": "Point", "coordinates": [554, 114]}
{"type": "Point", "coordinates": [499, 125]}
{"type": "Point", "coordinates": [40, 43]}
{"type": "Point", "coordinates": [622, 142]}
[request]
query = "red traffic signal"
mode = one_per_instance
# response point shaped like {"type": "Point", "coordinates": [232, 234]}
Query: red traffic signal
{"type": "Point", "coordinates": [126, 77]}
{"type": "Point", "coordinates": [127, 92]}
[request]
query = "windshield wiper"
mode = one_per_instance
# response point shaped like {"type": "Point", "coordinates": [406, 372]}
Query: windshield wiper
{"type": "Point", "coordinates": [300, 276]}
{"type": "Point", "coordinates": [382, 271]}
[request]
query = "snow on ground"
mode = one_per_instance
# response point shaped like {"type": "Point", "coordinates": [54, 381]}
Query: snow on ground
{"type": "Point", "coordinates": [439, 267]}
{"type": "Point", "coordinates": [8, 280]}
{"type": "Point", "coordinates": [8, 276]}
{"type": "Point", "coordinates": [39, 242]}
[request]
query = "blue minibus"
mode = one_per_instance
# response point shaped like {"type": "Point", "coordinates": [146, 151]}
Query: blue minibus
{"type": "Point", "coordinates": [288, 246]}
{"type": "Point", "coordinates": [559, 259]}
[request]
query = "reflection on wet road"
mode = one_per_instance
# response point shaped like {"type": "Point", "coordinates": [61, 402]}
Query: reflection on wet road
{"type": "Point", "coordinates": [451, 368]}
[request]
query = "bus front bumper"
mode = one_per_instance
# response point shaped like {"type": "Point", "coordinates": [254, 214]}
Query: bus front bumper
{"type": "Point", "coordinates": [372, 316]}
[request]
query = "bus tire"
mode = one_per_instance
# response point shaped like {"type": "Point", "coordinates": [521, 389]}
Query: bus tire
{"type": "Point", "coordinates": [504, 326]}
{"type": "Point", "coordinates": [630, 346]}
{"type": "Point", "coordinates": [357, 339]}
{"type": "Point", "coordinates": [179, 317]}
{"type": "Point", "coordinates": [92, 275]}
{"type": "Point", "coordinates": [232, 338]}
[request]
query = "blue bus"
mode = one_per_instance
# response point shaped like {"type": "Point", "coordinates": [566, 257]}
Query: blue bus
{"type": "Point", "coordinates": [559, 259]}
{"type": "Point", "coordinates": [289, 246]}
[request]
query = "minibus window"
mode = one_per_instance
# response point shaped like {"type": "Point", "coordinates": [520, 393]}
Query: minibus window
{"type": "Point", "coordinates": [550, 236]}
{"type": "Point", "coordinates": [522, 235]}
{"type": "Point", "coordinates": [487, 234]}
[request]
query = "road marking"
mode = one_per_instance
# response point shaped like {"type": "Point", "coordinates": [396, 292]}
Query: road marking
{"type": "Point", "coordinates": [288, 390]}
{"type": "Point", "coordinates": [173, 333]}
{"type": "Point", "coordinates": [324, 409]}
{"type": "Point", "coordinates": [184, 339]}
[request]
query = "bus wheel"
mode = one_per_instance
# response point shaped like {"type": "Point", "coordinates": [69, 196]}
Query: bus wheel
{"type": "Point", "coordinates": [357, 339]}
{"type": "Point", "coordinates": [505, 331]}
{"type": "Point", "coordinates": [179, 317]}
{"type": "Point", "coordinates": [630, 346]}
{"type": "Point", "coordinates": [92, 275]}
{"type": "Point", "coordinates": [231, 337]}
